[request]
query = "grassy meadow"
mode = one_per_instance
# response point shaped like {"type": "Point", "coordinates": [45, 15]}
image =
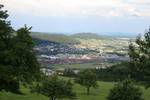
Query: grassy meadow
{"type": "Point", "coordinates": [99, 93]}
{"type": "Point", "coordinates": [79, 66]}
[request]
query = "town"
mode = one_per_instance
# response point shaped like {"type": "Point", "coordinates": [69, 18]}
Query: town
{"type": "Point", "coordinates": [101, 52]}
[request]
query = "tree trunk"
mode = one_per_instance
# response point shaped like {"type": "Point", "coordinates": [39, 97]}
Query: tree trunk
{"type": "Point", "coordinates": [52, 98]}
{"type": "Point", "coordinates": [88, 90]}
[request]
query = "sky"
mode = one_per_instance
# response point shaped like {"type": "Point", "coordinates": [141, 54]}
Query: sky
{"type": "Point", "coordinates": [74, 16]}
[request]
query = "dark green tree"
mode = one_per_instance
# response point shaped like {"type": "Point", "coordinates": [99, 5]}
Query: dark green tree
{"type": "Point", "coordinates": [17, 59]}
{"type": "Point", "coordinates": [69, 72]}
{"type": "Point", "coordinates": [7, 80]}
{"type": "Point", "coordinates": [24, 57]}
{"type": "Point", "coordinates": [55, 88]}
{"type": "Point", "coordinates": [87, 78]}
{"type": "Point", "coordinates": [125, 90]}
{"type": "Point", "coordinates": [119, 71]}
{"type": "Point", "coordinates": [140, 58]}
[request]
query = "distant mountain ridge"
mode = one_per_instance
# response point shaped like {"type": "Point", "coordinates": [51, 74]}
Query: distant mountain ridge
{"type": "Point", "coordinates": [120, 34]}
{"type": "Point", "coordinates": [86, 35]}
{"type": "Point", "coordinates": [99, 36]}
{"type": "Point", "coordinates": [60, 38]}
{"type": "Point", "coordinates": [72, 39]}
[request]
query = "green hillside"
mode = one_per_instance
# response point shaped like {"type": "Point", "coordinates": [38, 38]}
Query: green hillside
{"type": "Point", "coordinates": [60, 38]}
{"type": "Point", "coordinates": [99, 93]}
{"type": "Point", "coordinates": [91, 36]}
{"type": "Point", "coordinates": [86, 35]}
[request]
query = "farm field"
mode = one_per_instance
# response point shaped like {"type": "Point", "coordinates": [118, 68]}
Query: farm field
{"type": "Point", "coordinates": [99, 93]}
{"type": "Point", "coordinates": [74, 66]}
{"type": "Point", "coordinates": [79, 66]}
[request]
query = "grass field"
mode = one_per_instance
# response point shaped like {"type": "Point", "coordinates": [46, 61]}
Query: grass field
{"type": "Point", "coordinates": [76, 66]}
{"type": "Point", "coordinates": [99, 93]}
{"type": "Point", "coordinates": [79, 66]}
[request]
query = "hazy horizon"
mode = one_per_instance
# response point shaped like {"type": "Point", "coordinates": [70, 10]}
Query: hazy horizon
{"type": "Point", "coordinates": [65, 16]}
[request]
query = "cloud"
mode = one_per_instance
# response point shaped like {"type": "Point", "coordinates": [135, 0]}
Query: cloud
{"type": "Point", "coordinates": [80, 8]}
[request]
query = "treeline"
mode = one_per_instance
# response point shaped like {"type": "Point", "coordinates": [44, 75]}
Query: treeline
{"type": "Point", "coordinates": [114, 73]}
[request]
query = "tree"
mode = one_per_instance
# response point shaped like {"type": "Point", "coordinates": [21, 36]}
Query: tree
{"type": "Point", "coordinates": [17, 59]}
{"type": "Point", "coordinates": [7, 80]}
{"type": "Point", "coordinates": [140, 58]}
{"type": "Point", "coordinates": [24, 57]}
{"type": "Point", "coordinates": [115, 72]}
{"type": "Point", "coordinates": [125, 90]}
{"type": "Point", "coordinates": [55, 88]}
{"type": "Point", "coordinates": [69, 72]}
{"type": "Point", "coordinates": [87, 78]}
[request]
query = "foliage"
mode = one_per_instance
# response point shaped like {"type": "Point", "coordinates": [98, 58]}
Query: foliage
{"type": "Point", "coordinates": [96, 94]}
{"type": "Point", "coordinates": [69, 72]}
{"type": "Point", "coordinates": [87, 78]}
{"type": "Point", "coordinates": [140, 58]}
{"type": "Point", "coordinates": [55, 88]}
{"type": "Point", "coordinates": [24, 57]}
{"type": "Point", "coordinates": [17, 60]}
{"type": "Point", "coordinates": [7, 80]}
{"type": "Point", "coordinates": [114, 73]}
{"type": "Point", "coordinates": [125, 90]}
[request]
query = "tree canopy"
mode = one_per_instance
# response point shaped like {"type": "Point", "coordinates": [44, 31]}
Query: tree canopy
{"type": "Point", "coordinates": [140, 58]}
{"type": "Point", "coordinates": [125, 90]}
{"type": "Point", "coordinates": [24, 57]}
{"type": "Point", "coordinates": [17, 59]}
{"type": "Point", "coordinates": [87, 78]}
{"type": "Point", "coordinates": [55, 88]}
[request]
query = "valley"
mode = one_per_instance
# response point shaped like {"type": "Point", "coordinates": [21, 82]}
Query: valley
{"type": "Point", "coordinates": [88, 51]}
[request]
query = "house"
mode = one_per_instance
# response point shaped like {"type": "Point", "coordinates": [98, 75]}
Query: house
{"type": "Point", "coordinates": [47, 71]}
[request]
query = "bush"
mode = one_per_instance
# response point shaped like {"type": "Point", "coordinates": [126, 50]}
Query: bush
{"type": "Point", "coordinates": [114, 73]}
{"type": "Point", "coordinates": [125, 90]}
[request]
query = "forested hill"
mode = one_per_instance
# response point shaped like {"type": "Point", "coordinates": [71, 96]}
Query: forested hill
{"type": "Point", "coordinates": [59, 38]}
{"type": "Point", "coordinates": [101, 36]}
{"type": "Point", "coordinates": [86, 35]}
{"type": "Point", "coordinates": [68, 39]}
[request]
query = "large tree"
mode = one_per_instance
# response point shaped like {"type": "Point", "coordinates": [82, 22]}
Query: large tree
{"type": "Point", "coordinates": [87, 78]}
{"type": "Point", "coordinates": [55, 88]}
{"type": "Point", "coordinates": [140, 58]}
{"type": "Point", "coordinates": [25, 61]}
{"type": "Point", "coordinates": [125, 90]}
{"type": "Point", "coordinates": [17, 59]}
{"type": "Point", "coordinates": [7, 80]}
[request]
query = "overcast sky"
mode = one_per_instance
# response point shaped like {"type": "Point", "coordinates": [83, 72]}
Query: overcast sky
{"type": "Point", "coordinates": [72, 16]}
